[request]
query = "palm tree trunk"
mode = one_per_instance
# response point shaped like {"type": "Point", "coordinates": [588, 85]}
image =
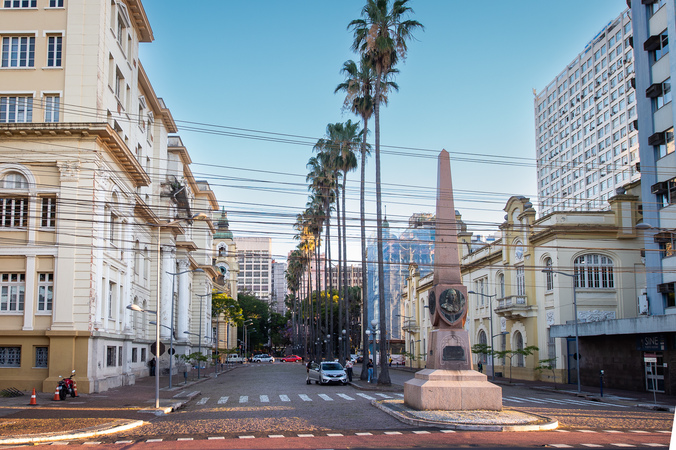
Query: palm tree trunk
{"type": "Point", "coordinates": [345, 295]}
{"type": "Point", "coordinates": [340, 258]}
{"type": "Point", "coordinates": [384, 375]}
{"type": "Point", "coordinates": [327, 295]}
{"type": "Point", "coordinates": [317, 283]}
{"type": "Point", "coordinates": [330, 296]}
{"type": "Point", "coordinates": [364, 282]}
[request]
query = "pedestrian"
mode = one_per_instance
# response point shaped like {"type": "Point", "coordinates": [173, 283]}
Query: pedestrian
{"type": "Point", "coordinates": [480, 367]}
{"type": "Point", "coordinates": [348, 369]}
{"type": "Point", "coordinates": [307, 368]}
{"type": "Point", "coordinates": [370, 367]}
{"type": "Point", "coordinates": [390, 361]}
{"type": "Point", "coordinates": [152, 363]}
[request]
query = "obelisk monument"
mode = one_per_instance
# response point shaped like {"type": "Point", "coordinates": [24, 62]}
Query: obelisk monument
{"type": "Point", "coordinates": [448, 381]}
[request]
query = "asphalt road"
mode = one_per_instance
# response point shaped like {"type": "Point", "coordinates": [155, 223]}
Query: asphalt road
{"type": "Point", "coordinates": [270, 406]}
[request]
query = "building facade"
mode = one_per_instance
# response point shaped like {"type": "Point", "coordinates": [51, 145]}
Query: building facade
{"type": "Point", "coordinates": [224, 331]}
{"type": "Point", "coordinates": [254, 257]}
{"type": "Point", "coordinates": [90, 177]}
{"type": "Point", "coordinates": [279, 289]}
{"type": "Point", "coordinates": [586, 125]}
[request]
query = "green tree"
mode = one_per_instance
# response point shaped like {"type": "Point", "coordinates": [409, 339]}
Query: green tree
{"type": "Point", "coordinates": [548, 364]}
{"type": "Point", "coordinates": [257, 310]}
{"type": "Point", "coordinates": [512, 353]}
{"type": "Point", "coordinates": [380, 36]}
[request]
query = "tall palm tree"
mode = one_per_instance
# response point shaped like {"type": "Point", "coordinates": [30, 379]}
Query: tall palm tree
{"type": "Point", "coordinates": [358, 87]}
{"type": "Point", "coordinates": [381, 35]}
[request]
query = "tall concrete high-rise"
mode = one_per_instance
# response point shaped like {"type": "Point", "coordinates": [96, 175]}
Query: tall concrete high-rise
{"type": "Point", "coordinates": [255, 266]}
{"type": "Point", "coordinates": [653, 27]}
{"type": "Point", "coordinates": [586, 125]}
{"type": "Point", "coordinates": [278, 287]}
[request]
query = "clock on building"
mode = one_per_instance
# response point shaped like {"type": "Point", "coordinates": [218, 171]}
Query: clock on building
{"type": "Point", "coordinates": [224, 269]}
{"type": "Point", "coordinates": [518, 252]}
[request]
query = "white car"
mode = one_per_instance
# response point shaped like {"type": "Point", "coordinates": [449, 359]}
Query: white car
{"type": "Point", "coordinates": [263, 358]}
{"type": "Point", "coordinates": [327, 372]}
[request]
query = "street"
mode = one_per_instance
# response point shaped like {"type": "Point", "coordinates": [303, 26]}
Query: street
{"type": "Point", "coordinates": [270, 405]}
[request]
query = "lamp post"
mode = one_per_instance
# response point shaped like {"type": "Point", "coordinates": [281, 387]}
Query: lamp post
{"type": "Point", "coordinates": [244, 336]}
{"type": "Point", "coordinates": [346, 343]}
{"type": "Point", "coordinates": [199, 344]}
{"type": "Point", "coordinates": [373, 330]}
{"type": "Point", "coordinates": [577, 335]}
{"type": "Point", "coordinates": [159, 226]}
{"type": "Point", "coordinates": [490, 302]}
{"type": "Point", "coordinates": [171, 338]}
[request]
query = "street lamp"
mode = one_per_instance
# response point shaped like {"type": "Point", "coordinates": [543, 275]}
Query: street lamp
{"type": "Point", "coordinates": [490, 302]}
{"type": "Point", "coordinates": [199, 344]}
{"type": "Point", "coordinates": [171, 338]}
{"type": "Point", "coordinates": [245, 323]}
{"type": "Point", "coordinates": [346, 343]}
{"type": "Point", "coordinates": [577, 335]}
{"type": "Point", "coordinates": [373, 330]}
{"type": "Point", "coordinates": [159, 226]}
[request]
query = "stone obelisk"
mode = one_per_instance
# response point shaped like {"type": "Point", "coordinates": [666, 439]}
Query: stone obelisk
{"type": "Point", "coordinates": [448, 381]}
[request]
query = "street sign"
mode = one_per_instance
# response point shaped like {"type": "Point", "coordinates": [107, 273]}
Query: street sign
{"type": "Point", "coordinates": [650, 360]}
{"type": "Point", "coordinates": [162, 348]}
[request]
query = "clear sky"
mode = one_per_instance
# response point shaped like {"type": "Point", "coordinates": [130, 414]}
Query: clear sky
{"type": "Point", "coordinates": [250, 84]}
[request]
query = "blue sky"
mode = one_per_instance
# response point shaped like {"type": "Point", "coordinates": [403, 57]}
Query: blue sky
{"type": "Point", "coordinates": [251, 84]}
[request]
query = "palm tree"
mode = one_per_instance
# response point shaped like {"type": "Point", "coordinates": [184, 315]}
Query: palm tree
{"type": "Point", "coordinates": [381, 36]}
{"type": "Point", "coordinates": [358, 87]}
{"type": "Point", "coordinates": [293, 277]}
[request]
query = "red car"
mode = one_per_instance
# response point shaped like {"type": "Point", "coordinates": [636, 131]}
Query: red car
{"type": "Point", "coordinates": [291, 358]}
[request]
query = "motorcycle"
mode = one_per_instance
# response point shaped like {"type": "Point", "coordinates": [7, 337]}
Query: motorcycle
{"type": "Point", "coordinates": [66, 386]}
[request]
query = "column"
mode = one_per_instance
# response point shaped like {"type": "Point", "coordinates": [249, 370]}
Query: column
{"type": "Point", "coordinates": [168, 265]}
{"type": "Point", "coordinates": [29, 294]}
{"type": "Point", "coordinates": [183, 308]}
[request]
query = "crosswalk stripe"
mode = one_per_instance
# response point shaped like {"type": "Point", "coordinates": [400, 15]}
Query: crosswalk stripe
{"type": "Point", "coordinates": [611, 431]}
{"type": "Point", "coordinates": [592, 445]}
{"type": "Point", "coordinates": [334, 434]}
{"type": "Point", "coordinates": [623, 445]}
{"type": "Point", "coordinates": [223, 400]}
{"type": "Point", "coordinates": [656, 445]}
{"type": "Point", "coordinates": [345, 396]}
{"type": "Point", "coordinates": [548, 400]}
{"type": "Point", "coordinates": [243, 398]}
{"type": "Point", "coordinates": [637, 431]}
{"type": "Point", "coordinates": [586, 431]}
{"type": "Point", "coordinates": [275, 435]}
{"type": "Point", "coordinates": [305, 398]}
{"type": "Point", "coordinates": [392, 432]}
{"type": "Point", "coordinates": [384, 395]}
{"type": "Point", "coordinates": [561, 445]}
{"type": "Point", "coordinates": [264, 399]}
{"type": "Point", "coordinates": [306, 435]}
{"type": "Point", "coordinates": [180, 394]}
{"type": "Point", "coordinates": [363, 434]}
{"type": "Point", "coordinates": [284, 398]}
{"type": "Point", "coordinates": [203, 400]}
{"type": "Point", "coordinates": [326, 397]}
{"type": "Point", "coordinates": [367, 397]}
{"type": "Point", "coordinates": [512, 399]}
{"type": "Point", "coordinates": [400, 395]}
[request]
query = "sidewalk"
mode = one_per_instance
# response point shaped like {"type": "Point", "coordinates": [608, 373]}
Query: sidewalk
{"type": "Point", "coordinates": [90, 415]}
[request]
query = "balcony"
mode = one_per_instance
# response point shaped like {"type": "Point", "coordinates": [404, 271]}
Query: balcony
{"type": "Point", "coordinates": [514, 307]}
{"type": "Point", "coordinates": [410, 326]}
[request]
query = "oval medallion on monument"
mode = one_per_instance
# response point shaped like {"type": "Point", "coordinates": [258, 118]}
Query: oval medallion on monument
{"type": "Point", "coordinates": [432, 306]}
{"type": "Point", "coordinates": [452, 306]}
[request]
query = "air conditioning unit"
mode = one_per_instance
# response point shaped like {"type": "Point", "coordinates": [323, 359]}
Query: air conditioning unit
{"type": "Point", "coordinates": [643, 304]}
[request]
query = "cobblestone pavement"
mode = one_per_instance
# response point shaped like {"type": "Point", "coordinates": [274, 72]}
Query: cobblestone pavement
{"type": "Point", "coordinates": [279, 416]}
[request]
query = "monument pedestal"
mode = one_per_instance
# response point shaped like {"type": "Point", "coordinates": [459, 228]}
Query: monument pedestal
{"type": "Point", "coordinates": [452, 390]}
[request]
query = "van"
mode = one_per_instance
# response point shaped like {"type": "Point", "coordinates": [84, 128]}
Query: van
{"type": "Point", "coordinates": [235, 358]}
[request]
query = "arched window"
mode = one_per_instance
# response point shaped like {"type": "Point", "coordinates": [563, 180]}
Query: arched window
{"type": "Point", "coordinates": [137, 257]}
{"type": "Point", "coordinates": [594, 271]}
{"type": "Point", "coordinates": [548, 274]}
{"type": "Point", "coordinates": [518, 343]}
{"type": "Point", "coordinates": [483, 340]}
{"type": "Point", "coordinates": [146, 263]}
{"type": "Point", "coordinates": [14, 180]}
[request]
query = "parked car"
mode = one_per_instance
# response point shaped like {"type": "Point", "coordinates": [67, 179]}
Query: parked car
{"type": "Point", "coordinates": [235, 358]}
{"type": "Point", "coordinates": [327, 372]}
{"type": "Point", "coordinates": [263, 358]}
{"type": "Point", "coordinates": [291, 358]}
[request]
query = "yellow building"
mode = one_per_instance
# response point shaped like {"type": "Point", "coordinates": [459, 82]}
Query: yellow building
{"type": "Point", "coordinates": [88, 170]}
{"type": "Point", "coordinates": [520, 302]}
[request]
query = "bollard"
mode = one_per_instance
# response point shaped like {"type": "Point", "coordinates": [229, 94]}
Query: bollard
{"type": "Point", "coordinates": [601, 377]}
{"type": "Point", "coordinates": [185, 376]}
{"type": "Point", "coordinates": [56, 394]}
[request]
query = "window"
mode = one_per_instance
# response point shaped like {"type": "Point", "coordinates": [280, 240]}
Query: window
{"type": "Point", "coordinates": [143, 355]}
{"type": "Point", "coordinates": [111, 356]}
{"type": "Point", "coordinates": [13, 212]}
{"type": "Point", "coordinates": [12, 291]}
{"type": "Point", "coordinates": [665, 96]}
{"type": "Point", "coordinates": [594, 271]}
{"type": "Point", "coordinates": [16, 109]}
{"type": "Point", "coordinates": [119, 356]}
{"type": "Point", "coordinates": [21, 3]}
{"type": "Point", "coordinates": [520, 280]}
{"type": "Point", "coordinates": [658, 46]}
{"type": "Point", "coordinates": [51, 106]}
{"type": "Point", "coordinates": [549, 274]}
{"type": "Point", "coordinates": [56, 3]}
{"type": "Point", "coordinates": [48, 212]}
{"type": "Point", "coordinates": [111, 298]}
{"type": "Point", "coordinates": [14, 180]}
{"type": "Point", "coordinates": [119, 84]}
{"type": "Point", "coordinates": [134, 354]}
{"type": "Point", "coordinates": [518, 343]}
{"type": "Point", "coordinates": [41, 357]}
{"type": "Point", "coordinates": [54, 51]}
{"type": "Point", "coordinates": [45, 291]}
{"type": "Point", "coordinates": [18, 51]}
{"type": "Point", "coordinates": [483, 357]}
{"type": "Point", "coordinates": [10, 356]}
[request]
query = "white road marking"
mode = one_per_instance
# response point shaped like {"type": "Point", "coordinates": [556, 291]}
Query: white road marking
{"type": "Point", "coordinates": [154, 440]}
{"type": "Point", "coordinates": [345, 396]}
{"type": "Point", "coordinates": [325, 397]}
{"type": "Point", "coordinates": [243, 398]}
{"type": "Point", "coordinates": [513, 399]}
{"type": "Point", "coordinates": [334, 434]}
{"type": "Point", "coordinates": [123, 442]}
{"type": "Point", "coordinates": [223, 400]}
{"type": "Point", "coordinates": [275, 435]}
{"type": "Point", "coordinates": [612, 431]}
{"type": "Point", "coordinates": [247, 437]}
{"type": "Point", "coordinates": [305, 398]}
{"type": "Point", "coordinates": [586, 431]}
{"type": "Point", "coordinates": [561, 445]}
{"type": "Point", "coordinates": [92, 443]}
{"type": "Point", "coordinates": [623, 445]}
{"type": "Point", "coordinates": [184, 439]}
{"type": "Point", "coordinates": [203, 400]}
{"type": "Point", "coordinates": [592, 445]}
{"type": "Point", "coordinates": [392, 432]}
{"type": "Point", "coordinates": [306, 435]}
{"type": "Point", "coordinates": [384, 395]}
{"type": "Point", "coordinates": [637, 431]}
{"type": "Point", "coordinates": [180, 394]}
{"type": "Point", "coordinates": [447, 431]}
{"type": "Point", "coordinates": [421, 432]}
{"type": "Point", "coordinates": [215, 438]}
{"type": "Point", "coordinates": [265, 399]}
{"type": "Point", "coordinates": [367, 397]}
{"type": "Point", "coordinates": [284, 398]}
{"type": "Point", "coordinates": [656, 445]}
{"type": "Point", "coordinates": [363, 434]}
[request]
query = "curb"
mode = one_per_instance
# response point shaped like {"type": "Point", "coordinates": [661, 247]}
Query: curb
{"type": "Point", "coordinates": [109, 428]}
{"type": "Point", "coordinates": [550, 425]}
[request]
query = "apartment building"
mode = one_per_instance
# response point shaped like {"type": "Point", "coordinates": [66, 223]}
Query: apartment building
{"type": "Point", "coordinates": [353, 275]}
{"type": "Point", "coordinates": [586, 135]}
{"type": "Point", "coordinates": [279, 289]}
{"type": "Point", "coordinates": [254, 257]}
{"type": "Point", "coordinates": [89, 173]}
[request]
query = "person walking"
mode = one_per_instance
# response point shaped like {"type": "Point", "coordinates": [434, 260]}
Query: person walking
{"type": "Point", "coordinates": [348, 369]}
{"type": "Point", "coordinates": [370, 368]}
{"type": "Point", "coordinates": [480, 367]}
{"type": "Point", "coordinates": [307, 369]}
{"type": "Point", "coordinates": [152, 363]}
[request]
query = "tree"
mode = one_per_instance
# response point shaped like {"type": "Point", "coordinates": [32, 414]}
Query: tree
{"type": "Point", "coordinates": [512, 353]}
{"type": "Point", "coordinates": [548, 364]}
{"type": "Point", "coordinates": [222, 305]}
{"type": "Point", "coordinates": [380, 36]}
